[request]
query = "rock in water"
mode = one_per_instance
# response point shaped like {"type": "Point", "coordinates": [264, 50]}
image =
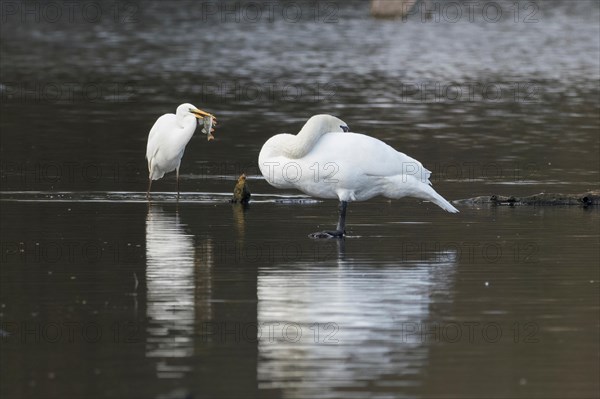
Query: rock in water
{"type": "Point", "coordinates": [241, 192]}
{"type": "Point", "coordinates": [591, 198]}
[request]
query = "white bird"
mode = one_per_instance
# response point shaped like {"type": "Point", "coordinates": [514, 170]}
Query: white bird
{"type": "Point", "coordinates": [324, 160]}
{"type": "Point", "coordinates": [168, 138]}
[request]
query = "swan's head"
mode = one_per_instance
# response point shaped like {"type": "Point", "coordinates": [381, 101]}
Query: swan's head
{"type": "Point", "coordinates": [326, 124]}
{"type": "Point", "coordinates": [188, 109]}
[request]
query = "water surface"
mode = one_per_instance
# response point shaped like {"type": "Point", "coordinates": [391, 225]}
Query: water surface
{"type": "Point", "coordinates": [105, 295]}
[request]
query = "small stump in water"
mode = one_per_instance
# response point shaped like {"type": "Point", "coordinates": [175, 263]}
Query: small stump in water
{"type": "Point", "coordinates": [241, 192]}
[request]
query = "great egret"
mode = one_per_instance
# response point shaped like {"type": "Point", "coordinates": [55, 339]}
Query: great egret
{"type": "Point", "coordinates": [324, 160]}
{"type": "Point", "coordinates": [168, 138]}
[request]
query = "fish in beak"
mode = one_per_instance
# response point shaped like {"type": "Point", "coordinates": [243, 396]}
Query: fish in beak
{"type": "Point", "coordinates": [208, 121]}
{"type": "Point", "coordinates": [208, 127]}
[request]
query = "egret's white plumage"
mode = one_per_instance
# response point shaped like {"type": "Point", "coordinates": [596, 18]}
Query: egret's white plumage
{"type": "Point", "coordinates": [325, 161]}
{"type": "Point", "coordinates": [167, 140]}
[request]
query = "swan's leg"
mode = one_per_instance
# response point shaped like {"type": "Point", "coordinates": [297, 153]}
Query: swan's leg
{"type": "Point", "coordinates": [341, 226]}
{"type": "Point", "coordinates": [149, 185]}
{"type": "Point", "coordinates": [177, 171]}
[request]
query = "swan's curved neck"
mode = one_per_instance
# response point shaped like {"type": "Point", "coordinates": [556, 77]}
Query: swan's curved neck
{"type": "Point", "coordinates": [304, 141]}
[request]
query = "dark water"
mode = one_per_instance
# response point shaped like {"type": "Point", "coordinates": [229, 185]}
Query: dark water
{"type": "Point", "coordinates": [104, 295]}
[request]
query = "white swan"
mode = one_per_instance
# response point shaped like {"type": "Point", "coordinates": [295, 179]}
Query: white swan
{"type": "Point", "coordinates": [168, 138]}
{"type": "Point", "coordinates": [324, 160]}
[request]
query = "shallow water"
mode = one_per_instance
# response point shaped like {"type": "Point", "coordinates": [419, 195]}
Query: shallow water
{"type": "Point", "coordinates": [103, 294]}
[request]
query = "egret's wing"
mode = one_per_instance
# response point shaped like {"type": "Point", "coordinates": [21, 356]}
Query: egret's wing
{"type": "Point", "coordinates": [160, 129]}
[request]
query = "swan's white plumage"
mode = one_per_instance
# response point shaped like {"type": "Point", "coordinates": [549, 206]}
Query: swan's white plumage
{"type": "Point", "coordinates": [351, 166]}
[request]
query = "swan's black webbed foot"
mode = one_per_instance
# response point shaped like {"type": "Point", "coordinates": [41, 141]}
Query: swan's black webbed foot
{"type": "Point", "coordinates": [340, 230]}
{"type": "Point", "coordinates": [328, 234]}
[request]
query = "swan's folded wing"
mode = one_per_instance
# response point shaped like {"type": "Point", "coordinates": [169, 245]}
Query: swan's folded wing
{"type": "Point", "coordinates": [372, 156]}
{"type": "Point", "coordinates": [412, 167]}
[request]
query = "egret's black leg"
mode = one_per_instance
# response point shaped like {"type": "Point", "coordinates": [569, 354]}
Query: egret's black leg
{"type": "Point", "coordinates": [149, 186]}
{"type": "Point", "coordinates": [341, 226]}
{"type": "Point", "coordinates": [177, 183]}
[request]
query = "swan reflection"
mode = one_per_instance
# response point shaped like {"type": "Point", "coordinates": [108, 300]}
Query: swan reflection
{"type": "Point", "coordinates": [342, 324]}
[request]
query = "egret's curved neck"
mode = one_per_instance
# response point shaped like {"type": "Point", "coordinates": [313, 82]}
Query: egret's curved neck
{"type": "Point", "coordinates": [304, 141]}
{"type": "Point", "coordinates": [187, 126]}
{"type": "Point", "coordinates": [186, 120]}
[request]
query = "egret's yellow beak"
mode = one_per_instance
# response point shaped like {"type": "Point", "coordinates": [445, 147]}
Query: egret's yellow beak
{"type": "Point", "coordinates": [198, 113]}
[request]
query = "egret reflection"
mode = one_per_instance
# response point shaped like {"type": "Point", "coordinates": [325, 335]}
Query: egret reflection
{"type": "Point", "coordinates": [177, 270]}
{"type": "Point", "coordinates": [341, 324]}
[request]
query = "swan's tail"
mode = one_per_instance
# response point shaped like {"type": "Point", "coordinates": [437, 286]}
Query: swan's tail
{"type": "Point", "coordinates": [408, 186]}
{"type": "Point", "coordinates": [437, 199]}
